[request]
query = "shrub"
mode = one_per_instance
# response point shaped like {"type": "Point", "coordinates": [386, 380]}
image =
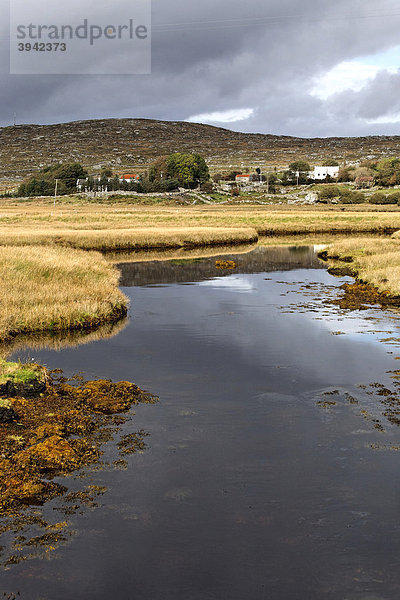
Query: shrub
{"type": "Point", "coordinates": [348, 197]}
{"type": "Point", "coordinates": [207, 187]}
{"type": "Point", "coordinates": [328, 192]}
{"type": "Point", "coordinates": [381, 198]}
{"type": "Point", "coordinates": [395, 197]}
{"type": "Point", "coordinates": [357, 197]}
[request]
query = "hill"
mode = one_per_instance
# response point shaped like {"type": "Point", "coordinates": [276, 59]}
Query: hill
{"type": "Point", "coordinates": [132, 144]}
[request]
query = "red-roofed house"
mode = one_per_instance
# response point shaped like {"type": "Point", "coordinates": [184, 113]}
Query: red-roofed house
{"type": "Point", "coordinates": [365, 182]}
{"type": "Point", "coordinates": [129, 178]}
{"type": "Point", "coordinates": [242, 178]}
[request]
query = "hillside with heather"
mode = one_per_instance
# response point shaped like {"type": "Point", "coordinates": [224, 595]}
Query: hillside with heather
{"type": "Point", "coordinates": [132, 144]}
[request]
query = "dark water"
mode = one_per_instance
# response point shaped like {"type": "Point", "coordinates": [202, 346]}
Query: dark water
{"type": "Point", "coordinates": [249, 488]}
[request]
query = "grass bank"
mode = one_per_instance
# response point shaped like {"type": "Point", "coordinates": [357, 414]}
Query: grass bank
{"type": "Point", "coordinates": [56, 289]}
{"type": "Point", "coordinates": [111, 227]}
{"type": "Point", "coordinates": [108, 240]}
{"type": "Point", "coordinates": [375, 262]}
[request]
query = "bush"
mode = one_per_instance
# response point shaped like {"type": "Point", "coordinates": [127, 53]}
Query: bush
{"type": "Point", "coordinates": [395, 197]}
{"type": "Point", "coordinates": [207, 187]}
{"type": "Point", "coordinates": [357, 197]}
{"type": "Point", "coordinates": [378, 198]}
{"type": "Point", "coordinates": [381, 198]}
{"type": "Point", "coordinates": [328, 192]}
{"type": "Point", "coordinates": [348, 197]}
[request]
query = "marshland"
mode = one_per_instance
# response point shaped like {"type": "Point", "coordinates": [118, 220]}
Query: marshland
{"type": "Point", "coordinates": [272, 452]}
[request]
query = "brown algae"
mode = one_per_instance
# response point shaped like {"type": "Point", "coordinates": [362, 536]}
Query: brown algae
{"type": "Point", "coordinates": [55, 433]}
{"type": "Point", "coordinates": [225, 264]}
{"type": "Point", "coordinates": [361, 296]}
{"type": "Point", "coordinates": [52, 434]}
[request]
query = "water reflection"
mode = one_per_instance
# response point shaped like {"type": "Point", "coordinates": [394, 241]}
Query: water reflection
{"type": "Point", "coordinates": [178, 253]}
{"type": "Point", "coordinates": [259, 260]}
{"type": "Point", "coordinates": [56, 340]}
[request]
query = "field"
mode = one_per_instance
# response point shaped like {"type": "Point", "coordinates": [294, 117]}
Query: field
{"type": "Point", "coordinates": [113, 227]}
{"type": "Point", "coordinates": [53, 280]}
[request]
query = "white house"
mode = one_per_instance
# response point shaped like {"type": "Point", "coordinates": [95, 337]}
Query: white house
{"type": "Point", "coordinates": [321, 173]}
{"type": "Point", "coordinates": [81, 185]}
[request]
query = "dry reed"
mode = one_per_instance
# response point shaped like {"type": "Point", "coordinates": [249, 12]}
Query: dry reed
{"type": "Point", "coordinates": [56, 289]}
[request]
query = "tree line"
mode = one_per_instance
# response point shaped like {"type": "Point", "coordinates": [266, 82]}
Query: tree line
{"type": "Point", "coordinates": [165, 175]}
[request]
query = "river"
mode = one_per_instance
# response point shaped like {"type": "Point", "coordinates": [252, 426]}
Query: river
{"type": "Point", "coordinates": [271, 470]}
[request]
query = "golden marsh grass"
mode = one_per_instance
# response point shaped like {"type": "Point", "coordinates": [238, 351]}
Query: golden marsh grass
{"type": "Point", "coordinates": [376, 261]}
{"type": "Point", "coordinates": [114, 227]}
{"type": "Point", "coordinates": [56, 289]}
{"type": "Point", "coordinates": [51, 281]}
{"type": "Point", "coordinates": [129, 239]}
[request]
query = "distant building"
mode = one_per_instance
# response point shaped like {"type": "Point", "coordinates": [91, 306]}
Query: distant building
{"type": "Point", "coordinates": [321, 173]}
{"type": "Point", "coordinates": [242, 178]}
{"type": "Point", "coordinates": [81, 185]}
{"type": "Point", "coordinates": [129, 178]}
{"type": "Point", "coordinates": [91, 183]}
{"type": "Point", "coordinates": [364, 182]}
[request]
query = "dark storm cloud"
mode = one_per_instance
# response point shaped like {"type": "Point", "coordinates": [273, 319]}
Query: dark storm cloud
{"type": "Point", "coordinates": [261, 55]}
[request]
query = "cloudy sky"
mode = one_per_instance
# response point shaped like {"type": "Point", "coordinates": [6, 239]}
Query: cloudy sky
{"type": "Point", "coordinates": [314, 68]}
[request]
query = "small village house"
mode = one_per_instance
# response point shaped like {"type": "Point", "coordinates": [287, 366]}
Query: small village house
{"type": "Point", "coordinates": [243, 178]}
{"type": "Point", "coordinates": [81, 185]}
{"type": "Point", "coordinates": [321, 173]}
{"type": "Point", "coordinates": [129, 178]}
{"type": "Point", "coordinates": [364, 182]}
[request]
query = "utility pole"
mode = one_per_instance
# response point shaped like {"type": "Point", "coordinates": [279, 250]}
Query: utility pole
{"type": "Point", "coordinates": [55, 192]}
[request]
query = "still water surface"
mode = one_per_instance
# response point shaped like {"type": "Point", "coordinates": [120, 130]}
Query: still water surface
{"type": "Point", "coordinates": [265, 477]}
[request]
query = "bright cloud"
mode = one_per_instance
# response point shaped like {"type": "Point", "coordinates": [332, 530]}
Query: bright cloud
{"type": "Point", "coordinates": [225, 116]}
{"type": "Point", "coordinates": [348, 75]}
{"type": "Point", "coordinates": [385, 119]}
{"type": "Point", "coordinates": [356, 74]}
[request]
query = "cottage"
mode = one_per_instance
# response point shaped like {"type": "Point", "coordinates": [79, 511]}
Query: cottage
{"type": "Point", "coordinates": [321, 173]}
{"type": "Point", "coordinates": [81, 185]}
{"type": "Point", "coordinates": [242, 178]}
{"type": "Point", "coordinates": [129, 178]}
{"type": "Point", "coordinates": [364, 182]}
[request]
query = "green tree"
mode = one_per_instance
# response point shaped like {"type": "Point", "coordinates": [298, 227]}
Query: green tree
{"type": "Point", "coordinates": [388, 172]}
{"type": "Point", "coordinates": [346, 174]}
{"type": "Point", "coordinates": [190, 170]}
{"type": "Point", "coordinates": [69, 173]}
{"type": "Point", "coordinates": [298, 171]}
{"type": "Point", "coordinates": [44, 183]}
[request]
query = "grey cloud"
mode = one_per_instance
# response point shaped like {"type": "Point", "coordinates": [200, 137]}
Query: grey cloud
{"type": "Point", "coordinates": [210, 67]}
